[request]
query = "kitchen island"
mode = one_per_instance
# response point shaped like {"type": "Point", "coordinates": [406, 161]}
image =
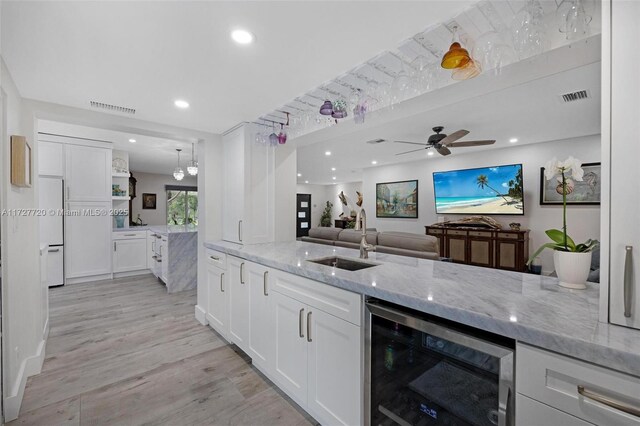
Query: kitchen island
{"type": "Point", "coordinates": [554, 332]}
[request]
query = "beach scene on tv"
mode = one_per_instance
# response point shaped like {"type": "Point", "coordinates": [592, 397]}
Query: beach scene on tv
{"type": "Point", "coordinates": [489, 190]}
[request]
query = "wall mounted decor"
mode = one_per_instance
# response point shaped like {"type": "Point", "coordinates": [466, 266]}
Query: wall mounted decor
{"type": "Point", "coordinates": [397, 199]}
{"type": "Point", "coordinates": [586, 192]}
{"type": "Point", "coordinates": [149, 201]}
{"type": "Point", "coordinates": [21, 162]}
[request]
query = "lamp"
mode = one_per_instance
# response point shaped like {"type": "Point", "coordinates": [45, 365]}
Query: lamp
{"type": "Point", "coordinates": [457, 56]}
{"type": "Point", "coordinates": [178, 173]}
{"type": "Point", "coordinates": [192, 166]}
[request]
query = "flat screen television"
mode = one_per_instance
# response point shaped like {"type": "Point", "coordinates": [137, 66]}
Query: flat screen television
{"type": "Point", "coordinates": [481, 191]}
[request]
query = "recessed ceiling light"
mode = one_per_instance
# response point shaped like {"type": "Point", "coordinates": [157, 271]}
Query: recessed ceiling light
{"type": "Point", "coordinates": [299, 174]}
{"type": "Point", "coordinates": [334, 178]}
{"type": "Point", "coordinates": [374, 162]}
{"type": "Point", "coordinates": [181, 104]}
{"type": "Point", "coordinates": [242, 36]}
{"type": "Point", "coordinates": [327, 153]}
{"type": "Point", "coordinates": [132, 140]}
{"type": "Point", "coordinates": [306, 181]}
{"type": "Point", "coordinates": [333, 169]}
{"type": "Point", "coordinates": [513, 140]}
{"type": "Point", "coordinates": [430, 153]}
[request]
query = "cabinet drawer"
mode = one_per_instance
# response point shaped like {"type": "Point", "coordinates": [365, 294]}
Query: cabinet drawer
{"type": "Point", "coordinates": [123, 235]}
{"type": "Point", "coordinates": [335, 301]}
{"type": "Point", "coordinates": [554, 379]}
{"type": "Point", "coordinates": [508, 236]}
{"type": "Point", "coordinates": [216, 258]}
{"type": "Point", "coordinates": [485, 234]}
{"type": "Point", "coordinates": [434, 231]}
{"type": "Point", "coordinates": [456, 232]}
{"type": "Point", "coordinates": [534, 413]}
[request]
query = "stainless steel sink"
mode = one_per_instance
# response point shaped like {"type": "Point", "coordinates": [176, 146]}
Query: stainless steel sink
{"type": "Point", "coordinates": [343, 263]}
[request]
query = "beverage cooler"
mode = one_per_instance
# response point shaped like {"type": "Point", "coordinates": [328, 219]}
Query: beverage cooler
{"type": "Point", "coordinates": [421, 371]}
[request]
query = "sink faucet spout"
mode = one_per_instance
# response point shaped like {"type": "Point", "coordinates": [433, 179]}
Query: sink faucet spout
{"type": "Point", "coordinates": [361, 223]}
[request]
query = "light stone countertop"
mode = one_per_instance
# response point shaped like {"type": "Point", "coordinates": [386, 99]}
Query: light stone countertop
{"type": "Point", "coordinates": [160, 229]}
{"type": "Point", "coordinates": [528, 308]}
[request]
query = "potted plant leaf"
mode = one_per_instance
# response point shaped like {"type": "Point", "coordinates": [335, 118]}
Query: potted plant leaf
{"type": "Point", "coordinates": [572, 261]}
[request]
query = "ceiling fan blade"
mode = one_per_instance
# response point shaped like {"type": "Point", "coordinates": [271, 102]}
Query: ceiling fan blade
{"type": "Point", "coordinates": [412, 143]}
{"type": "Point", "coordinates": [471, 143]}
{"type": "Point", "coordinates": [443, 150]}
{"type": "Point", "coordinates": [454, 137]}
{"type": "Point", "coordinates": [415, 150]}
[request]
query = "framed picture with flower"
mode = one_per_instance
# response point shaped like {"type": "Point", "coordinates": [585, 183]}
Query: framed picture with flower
{"type": "Point", "coordinates": [584, 192]}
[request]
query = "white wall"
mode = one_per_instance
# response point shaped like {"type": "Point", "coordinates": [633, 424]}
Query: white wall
{"type": "Point", "coordinates": [155, 184]}
{"type": "Point", "coordinates": [583, 221]}
{"type": "Point", "coordinates": [22, 293]}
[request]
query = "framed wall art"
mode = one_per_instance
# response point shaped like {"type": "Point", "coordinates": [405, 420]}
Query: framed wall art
{"type": "Point", "coordinates": [397, 199]}
{"type": "Point", "coordinates": [587, 192]}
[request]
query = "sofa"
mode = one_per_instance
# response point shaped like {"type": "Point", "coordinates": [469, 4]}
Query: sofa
{"type": "Point", "coordinates": [399, 243]}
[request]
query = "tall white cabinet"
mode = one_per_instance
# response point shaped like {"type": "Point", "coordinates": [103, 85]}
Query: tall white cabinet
{"type": "Point", "coordinates": [624, 151]}
{"type": "Point", "coordinates": [248, 187]}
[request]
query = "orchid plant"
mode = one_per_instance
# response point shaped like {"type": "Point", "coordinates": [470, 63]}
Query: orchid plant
{"type": "Point", "coordinates": [567, 173]}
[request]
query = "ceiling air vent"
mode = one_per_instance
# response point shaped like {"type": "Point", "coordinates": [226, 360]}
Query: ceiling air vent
{"type": "Point", "coordinates": [112, 108]}
{"type": "Point", "coordinates": [375, 141]}
{"type": "Point", "coordinates": [575, 96]}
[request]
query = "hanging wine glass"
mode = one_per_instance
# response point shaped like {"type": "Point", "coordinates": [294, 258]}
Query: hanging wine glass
{"type": "Point", "coordinates": [401, 86]}
{"type": "Point", "coordinates": [273, 137]}
{"type": "Point", "coordinates": [529, 31]}
{"type": "Point", "coordinates": [282, 135]}
{"type": "Point", "coordinates": [493, 52]}
{"type": "Point", "coordinates": [574, 18]}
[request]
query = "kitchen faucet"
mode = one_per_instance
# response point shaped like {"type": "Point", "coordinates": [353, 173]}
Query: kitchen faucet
{"type": "Point", "coordinates": [361, 223]}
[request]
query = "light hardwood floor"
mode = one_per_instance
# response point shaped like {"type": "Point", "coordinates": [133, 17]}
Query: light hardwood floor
{"type": "Point", "coordinates": [126, 352]}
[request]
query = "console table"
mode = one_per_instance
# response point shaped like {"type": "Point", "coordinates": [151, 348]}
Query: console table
{"type": "Point", "coordinates": [491, 248]}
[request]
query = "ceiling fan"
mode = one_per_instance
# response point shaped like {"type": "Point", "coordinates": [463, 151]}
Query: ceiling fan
{"type": "Point", "coordinates": [441, 142]}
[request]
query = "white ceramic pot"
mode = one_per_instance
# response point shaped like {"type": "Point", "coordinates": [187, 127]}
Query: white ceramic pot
{"type": "Point", "coordinates": [572, 268]}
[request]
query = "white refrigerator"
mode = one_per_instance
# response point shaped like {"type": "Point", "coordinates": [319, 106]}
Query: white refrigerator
{"type": "Point", "coordinates": [51, 204]}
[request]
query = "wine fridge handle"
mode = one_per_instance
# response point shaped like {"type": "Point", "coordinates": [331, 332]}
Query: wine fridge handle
{"type": "Point", "coordinates": [628, 280]}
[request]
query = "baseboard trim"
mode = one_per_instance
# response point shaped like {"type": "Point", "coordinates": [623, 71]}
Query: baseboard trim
{"type": "Point", "coordinates": [87, 279]}
{"type": "Point", "coordinates": [201, 315]}
{"type": "Point", "coordinates": [131, 273]}
{"type": "Point", "coordinates": [30, 366]}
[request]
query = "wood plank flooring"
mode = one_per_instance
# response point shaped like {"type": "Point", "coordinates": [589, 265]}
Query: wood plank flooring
{"type": "Point", "coordinates": [124, 352]}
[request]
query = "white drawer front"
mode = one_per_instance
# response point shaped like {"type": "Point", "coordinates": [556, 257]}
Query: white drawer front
{"type": "Point", "coordinates": [335, 301]}
{"type": "Point", "coordinates": [534, 413]}
{"type": "Point", "coordinates": [553, 379]}
{"type": "Point", "coordinates": [124, 235]}
{"type": "Point", "coordinates": [216, 258]}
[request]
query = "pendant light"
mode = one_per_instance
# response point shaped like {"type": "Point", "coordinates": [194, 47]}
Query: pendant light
{"type": "Point", "coordinates": [178, 173]}
{"type": "Point", "coordinates": [192, 166]}
{"type": "Point", "coordinates": [457, 56]}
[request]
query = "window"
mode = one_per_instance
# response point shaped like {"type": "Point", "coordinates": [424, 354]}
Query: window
{"type": "Point", "coordinates": [182, 205]}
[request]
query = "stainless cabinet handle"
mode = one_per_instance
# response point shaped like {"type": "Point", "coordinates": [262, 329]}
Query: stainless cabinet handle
{"type": "Point", "coordinates": [129, 235]}
{"type": "Point", "coordinates": [309, 326]}
{"type": "Point", "coordinates": [628, 280]}
{"type": "Point", "coordinates": [242, 273]}
{"type": "Point", "coordinates": [608, 401]}
{"type": "Point", "coordinates": [154, 257]}
{"type": "Point", "coordinates": [115, 247]}
{"type": "Point", "coordinates": [214, 258]}
{"type": "Point", "coordinates": [240, 230]}
{"type": "Point", "coordinates": [300, 320]}
{"type": "Point", "coordinates": [153, 246]}
{"type": "Point", "coordinates": [53, 250]}
{"type": "Point", "coordinates": [221, 282]}
{"type": "Point", "coordinates": [264, 283]}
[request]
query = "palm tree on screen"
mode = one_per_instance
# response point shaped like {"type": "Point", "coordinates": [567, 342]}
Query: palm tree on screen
{"type": "Point", "coordinates": [483, 180]}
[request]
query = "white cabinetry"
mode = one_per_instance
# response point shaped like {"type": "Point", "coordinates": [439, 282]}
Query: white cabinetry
{"type": "Point", "coordinates": [151, 243]}
{"type": "Point", "coordinates": [248, 188]}
{"type": "Point", "coordinates": [574, 389]}
{"type": "Point", "coordinates": [88, 173]}
{"type": "Point", "coordinates": [164, 258]}
{"type": "Point", "coordinates": [239, 305]}
{"type": "Point", "coordinates": [260, 328]}
{"type": "Point", "coordinates": [55, 266]}
{"type": "Point", "coordinates": [50, 159]}
{"type": "Point", "coordinates": [217, 294]}
{"type": "Point", "coordinates": [129, 251]}
{"type": "Point", "coordinates": [87, 240]}
{"type": "Point", "coordinates": [624, 246]}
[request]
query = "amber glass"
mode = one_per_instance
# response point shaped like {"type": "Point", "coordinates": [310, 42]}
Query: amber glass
{"type": "Point", "coordinates": [456, 57]}
{"type": "Point", "coordinates": [469, 70]}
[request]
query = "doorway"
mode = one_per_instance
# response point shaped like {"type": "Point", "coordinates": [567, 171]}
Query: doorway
{"type": "Point", "coordinates": [303, 215]}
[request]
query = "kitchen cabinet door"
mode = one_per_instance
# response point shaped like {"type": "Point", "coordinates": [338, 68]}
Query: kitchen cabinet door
{"type": "Point", "coordinates": [334, 373]}
{"type": "Point", "coordinates": [164, 257]}
{"type": "Point", "coordinates": [233, 192]}
{"type": "Point", "coordinates": [291, 347]}
{"type": "Point", "coordinates": [217, 300]}
{"type": "Point", "coordinates": [151, 242]}
{"type": "Point", "coordinates": [50, 159]}
{"type": "Point", "coordinates": [87, 240]}
{"type": "Point", "coordinates": [88, 173]}
{"type": "Point", "coordinates": [129, 255]}
{"type": "Point", "coordinates": [261, 333]}
{"type": "Point", "coordinates": [55, 266]}
{"type": "Point", "coordinates": [239, 305]}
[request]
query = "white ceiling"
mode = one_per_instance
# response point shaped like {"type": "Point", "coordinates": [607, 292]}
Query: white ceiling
{"type": "Point", "coordinates": [531, 112]}
{"type": "Point", "coordinates": [144, 55]}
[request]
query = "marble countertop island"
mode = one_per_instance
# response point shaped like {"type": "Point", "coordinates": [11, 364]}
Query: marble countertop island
{"type": "Point", "coordinates": [528, 308]}
{"type": "Point", "coordinates": [160, 229]}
